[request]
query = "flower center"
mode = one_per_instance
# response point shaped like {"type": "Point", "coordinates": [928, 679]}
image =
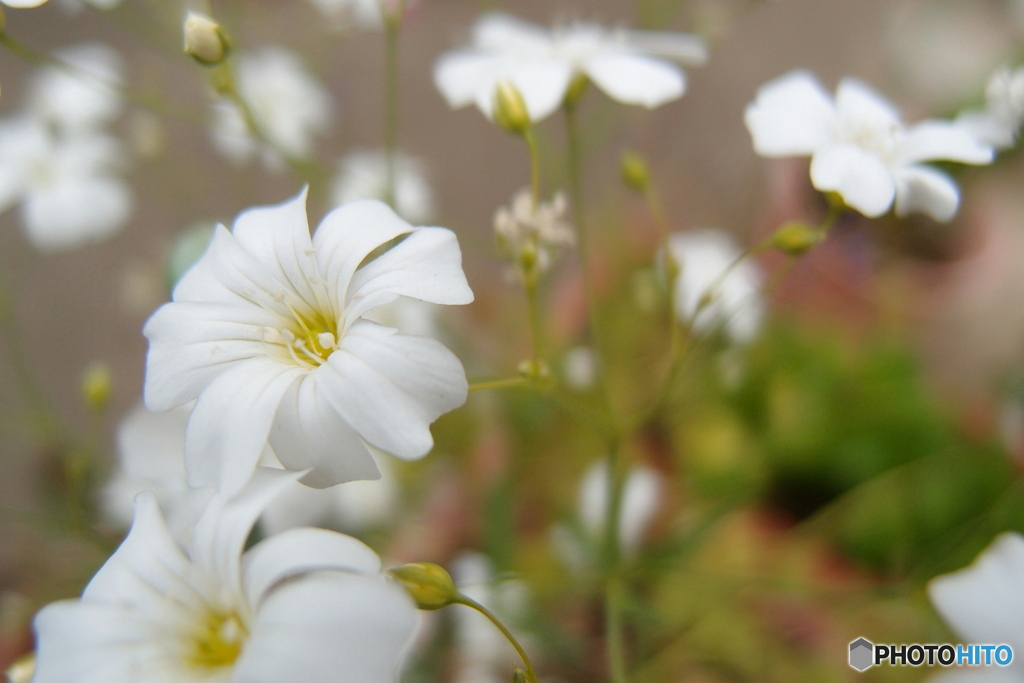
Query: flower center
{"type": "Point", "coordinates": [309, 342]}
{"type": "Point", "coordinates": [217, 642]}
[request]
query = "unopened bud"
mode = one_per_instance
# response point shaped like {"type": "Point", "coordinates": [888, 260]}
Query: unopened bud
{"type": "Point", "coordinates": [22, 670]}
{"type": "Point", "coordinates": [577, 88]}
{"type": "Point", "coordinates": [534, 369]}
{"type": "Point", "coordinates": [428, 584]}
{"type": "Point", "coordinates": [96, 386]}
{"type": "Point", "coordinates": [634, 172]}
{"type": "Point", "coordinates": [521, 675]}
{"type": "Point", "coordinates": [510, 109]}
{"type": "Point", "coordinates": [796, 238]}
{"type": "Point", "coordinates": [205, 40]}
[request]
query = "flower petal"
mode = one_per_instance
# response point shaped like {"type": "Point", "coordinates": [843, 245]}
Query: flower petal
{"type": "Point", "coordinates": [390, 386]}
{"type": "Point", "coordinates": [942, 140]}
{"type": "Point", "coordinates": [860, 106]}
{"type": "Point", "coordinates": [427, 265]}
{"type": "Point", "coordinates": [685, 48]}
{"type": "Point", "coordinates": [309, 434]}
{"type": "Point", "coordinates": [502, 32]}
{"type": "Point", "coordinates": [231, 421]}
{"type": "Point", "coordinates": [460, 75]}
{"type": "Point", "coordinates": [984, 601]}
{"type": "Point", "coordinates": [636, 79]}
{"type": "Point", "coordinates": [311, 629]}
{"type": "Point", "coordinates": [863, 180]}
{"type": "Point", "coordinates": [791, 116]}
{"type": "Point", "coordinates": [301, 551]}
{"type": "Point", "coordinates": [919, 188]}
{"type": "Point", "coordinates": [75, 211]}
{"type": "Point", "coordinates": [542, 82]}
{"type": "Point", "coordinates": [345, 238]}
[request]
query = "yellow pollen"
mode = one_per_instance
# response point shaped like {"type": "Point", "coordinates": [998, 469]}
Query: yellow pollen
{"type": "Point", "coordinates": [217, 642]}
{"type": "Point", "coordinates": [310, 341]}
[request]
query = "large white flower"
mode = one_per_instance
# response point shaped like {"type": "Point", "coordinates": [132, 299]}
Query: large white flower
{"type": "Point", "coordinates": [290, 107]}
{"type": "Point", "coordinates": [363, 175]}
{"type": "Point", "coordinates": [983, 603]}
{"type": "Point", "coordinates": [627, 65]}
{"type": "Point", "coordinates": [859, 147]}
{"type": "Point", "coordinates": [83, 97]}
{"type": "Point", "coordinates": [67, 185]}
{"type": "Point", "coordinates": [269, 331]}
{"type": "Point", "coordinates": [306, 605]}
{"type": "Point", "coordinates": [705, 294]}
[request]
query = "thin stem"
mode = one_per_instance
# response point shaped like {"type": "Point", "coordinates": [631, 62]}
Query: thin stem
{"type": "Point", "coordinates": [614, 630]}
{"type": "Point", "coordinates": [531, 142]}
{"type": "Point", "coordinates": [470, 602]}
{"type": "Point", "coordinates": [499, 383]}
{"type": "Point", "coordinates": [534, 317]}
{"type": "Point", "coordinates": [392, 26]}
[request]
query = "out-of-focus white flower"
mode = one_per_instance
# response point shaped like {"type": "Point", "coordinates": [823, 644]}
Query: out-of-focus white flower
{"type": "Point", "coordinates": [530, 236]}
{"type": "Point", "coordinates": [580, 368]}
{"type": "Point", "coordinates": [629, 66]}
{"type": "Point", "coordinates": [983, 604]}
{"type": "Point", "coordinates": [363, 14]}
{"type": "Point", "coordinates": [23, 3]}
{"type": "Point", "coordinates": [999, 122]}
{"type": "Point", "coordinates": [364, 175]}
{"type": "Point", "coordinates": [483, 655]}
{"type": "Point", "coordinates": [67, 185]}
{"type": "Point", "coordinates": [303, 605]}
{"type": "Point", "coordinates": [76, 6]}
{"type": "Point", "coordinates": [288, 105]}
{"type": "Point", "coordinates": [82, 97]}
{"type": "Point", "coordinates": [269, 332]}
{"type": "Point", "coordinates": [858, 146]}
{"type": "Point", "coordinates": [641, 499]}
{"type": "Point", "coordinates": [702, 297]}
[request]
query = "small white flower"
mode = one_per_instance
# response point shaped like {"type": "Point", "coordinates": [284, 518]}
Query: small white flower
{"type": "Point", "coordinates": [999, 123]}
{"type": "Point", "coordinates": [641, 500]}
{"type": "Point", "coordinates": [83, 97]}
{"type": "Point", "coordinates": [305, 605]}
{"type": "Point", "coordinates": [289, 106]}
{"type": "Point", "coordinates": [66, 185]}
{"type": "Point", "coordinates": [76, 6]}
{"type": "Point", "coordinates": [983, 604]}
{"type": "Point", "coordinates": [542, 64]}
{"type": "Point", "coordinates": [858, 146]}
{"type": "Point", "coordinates": [534, 233]}
{"type": "Point", "coordinates": [363, 175]}
{"type": "Point", "coordinates": [367, 15]}
{"type": "Point", "coordinates": [579, 368]}
{"type": "Point", "coordinates": [703, 298]}
{"type": "Point", "coordinates": [269, 331]}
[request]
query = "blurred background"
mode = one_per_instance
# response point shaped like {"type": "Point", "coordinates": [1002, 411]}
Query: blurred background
{"type": "Point", "coordinates": [871, 439]}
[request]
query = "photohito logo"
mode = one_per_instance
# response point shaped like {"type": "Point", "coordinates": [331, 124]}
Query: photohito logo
{"type": "Point", "coordinates": [865, 654]}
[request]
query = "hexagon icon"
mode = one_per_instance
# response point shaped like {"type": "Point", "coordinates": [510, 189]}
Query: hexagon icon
{"type": "Point", "coordinates": [861, 654]}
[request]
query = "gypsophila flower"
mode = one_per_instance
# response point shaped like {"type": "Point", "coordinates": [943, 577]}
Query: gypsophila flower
{"type": "Point", "coordinates": [289, 106]}
{"type": "Point", "coordinates": [269, 331]}
{"type": "Point", "coordinates": [68, 187]}
{"type": "Point", "coordinates": [367, 15]}
{"type": "Point", "coordinates": [307, 604]}
{"type": "Point", "coordinates": [529, 236]}
{"type": "Point", "coordinates": [859, 147]}
{"type": "Point", "coordinates": [82, 97]}
{"type": "Point", "coordinates": [363, 175]}
{"type": "Point", "coordinates": [999, 123]}
{"type": "Point", "coordinates": [629, 66]}
{"type": "Point", "coordinates": [983, 604]}
{"type": "Point", "coordinates": [702, 297]}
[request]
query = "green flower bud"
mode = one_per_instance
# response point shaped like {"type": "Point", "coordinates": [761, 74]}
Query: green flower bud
{"type": "Point", "coordinates": [509, 109]}
{"type": "Point", "coordinates": [577, 88]}
{"type": "Point", "coordinates": [796, 238]}
{"type": "Point", "coordinates": [634, 172]}
{"type": "Point", "coordinates": [96, 386]}
{"type": "Point", "coordinates": [205, 40]}
{"type": "Point", "coordinates": [428, 584]}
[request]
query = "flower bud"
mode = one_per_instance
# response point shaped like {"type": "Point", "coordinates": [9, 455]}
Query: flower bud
{"type": "Point", "coordinates": [22, 670]}
{"type": "Point", "coordinates": [96, 386]}
{"type": "Point", "coordinates": [577, 88]}
{"type": "Point", "coordinates": [634, 172]}
{"type": "Point", "coordinates": [509, 108]}
{"type": "Point", "coordinates": [428, 584]}
{"type": "Point", "coordinates": [521, 675]}
{"type": "Point", "coordinates": [205, 40]}
{"type": "Point", "coordinates": [796, 238]}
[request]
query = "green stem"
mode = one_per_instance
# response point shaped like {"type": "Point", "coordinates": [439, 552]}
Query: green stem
{"type": "Point", "coordinates": [531, 143]}
{"type": "Point", "coordinates": [534, 317]}
{"type": "Point", "coordinates": [392, 26]}
{"type": "Point", "coordinates": [614, 630]}
{"type": "Point", "coordinates": [470, 602]}
{"type": "Point", "coordinates": [500, 383]}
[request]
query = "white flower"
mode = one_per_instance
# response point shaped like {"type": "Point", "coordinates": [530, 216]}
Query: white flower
{"type": "Point", "coordinates": [627, 65]}
{"type": "Point", "coordinates": [363, 175]}
{"type": "Point", "coordinates": [999, 122]}
{"type": "Point", "coordinates": [83, 97]}
{"type": "Point", "coordinates": [269, 331]}
{"type": "Point", "coordinates": [483, 655]}
{"type": "Point", "coordinates": [66, 185]}
{"type": "Point", "coordinates": [641, 500]}
{"type": "Point", "coordinates": [983, 603]}
{"type": "Point", "coordinates": [364, 14]}
{"type": "Point", "coordinates": [703, 298]}
{"type": "Point", "coordinates": [579, 367]}
{"type": "Point", "coordinates": [76, 6]}
{"type": "Point", "coordinates": [289, 106]}
{"type": "Point", "coordinates": [859, 148]}
{"type": "Point", "coordinates": [23, 3]}
{"type": "Point", "coordinates": [306, 605]}
{"type": "Point", "coordinates": [530, 236]}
